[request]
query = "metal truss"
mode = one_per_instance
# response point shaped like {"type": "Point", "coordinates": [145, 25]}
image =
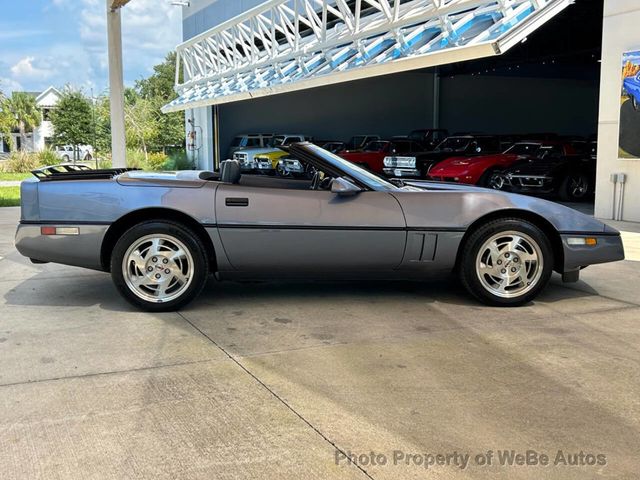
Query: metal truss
{"type": "Point", "coordinates": [288, 45]}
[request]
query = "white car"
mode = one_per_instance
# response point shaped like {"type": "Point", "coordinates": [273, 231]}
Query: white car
{"type": "Point", "coordinates": [247, 157]}
{"type": "Point", "coordinates": [66, 152]}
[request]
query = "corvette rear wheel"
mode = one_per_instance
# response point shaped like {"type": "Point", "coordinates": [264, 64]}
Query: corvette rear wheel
{"type": "Point", "coordinates": [159, 266]}
{"type": "Point", "coordinates": [506, 262]}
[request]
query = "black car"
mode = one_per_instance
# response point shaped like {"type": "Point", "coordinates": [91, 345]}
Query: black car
{"type": "Point", "coordinates": [429, 138]}
{"type": "Point", "coordinates": [418, 165]}
{"type": "Point", "coordinates": [569, 177]}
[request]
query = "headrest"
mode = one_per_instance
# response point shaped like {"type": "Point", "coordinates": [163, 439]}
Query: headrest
{"type": "Point", "coordinates": [230, 171]}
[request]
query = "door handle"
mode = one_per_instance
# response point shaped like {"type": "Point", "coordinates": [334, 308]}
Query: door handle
{"type": "Point", "coordinates": [236, 202]}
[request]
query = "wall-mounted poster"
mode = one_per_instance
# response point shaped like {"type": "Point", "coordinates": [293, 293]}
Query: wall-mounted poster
{"type": "Point", "coordinates": [629, 143]}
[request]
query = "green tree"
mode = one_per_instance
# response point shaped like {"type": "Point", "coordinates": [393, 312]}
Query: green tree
{"type": "Point", "coordinates": [6, 120]}
{"type": "Point", "coordinates": [159, 90]}
{"type": "Point", "coordinates": [141, 118]}
{"type": "Point", "coordinates": [102, 124]}
{"type": "Point", "coordinates": [72, 119]}
{"type": "Point", "coordinates": [24, 112]}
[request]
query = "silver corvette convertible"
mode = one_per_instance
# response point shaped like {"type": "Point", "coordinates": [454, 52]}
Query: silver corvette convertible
{"type": "Point", "coordinates": [161, 234]}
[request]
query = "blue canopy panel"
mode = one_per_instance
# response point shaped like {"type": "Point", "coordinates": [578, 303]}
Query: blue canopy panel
{"type": "Point", "coordinates": [288, 45]}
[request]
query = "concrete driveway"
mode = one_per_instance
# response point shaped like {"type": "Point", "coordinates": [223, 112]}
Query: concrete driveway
{"type": "Point", "coordinates": [283, 380]}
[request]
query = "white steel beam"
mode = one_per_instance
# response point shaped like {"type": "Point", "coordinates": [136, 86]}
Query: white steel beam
{"type": "Point", "coordinates": [287, 45]}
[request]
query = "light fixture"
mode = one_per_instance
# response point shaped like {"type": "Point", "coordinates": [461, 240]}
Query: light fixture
{"type": "Point", "coordinates": [181, 3]}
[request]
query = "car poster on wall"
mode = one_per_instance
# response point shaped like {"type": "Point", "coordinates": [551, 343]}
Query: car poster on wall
{"type": "Point", "coordinates": [629, 142]}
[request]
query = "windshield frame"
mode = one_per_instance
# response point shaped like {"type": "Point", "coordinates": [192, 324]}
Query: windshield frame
{"type": "Point", "coordinates": [461, 137]}
{"type": "Point", "coordinates": [337, 167]}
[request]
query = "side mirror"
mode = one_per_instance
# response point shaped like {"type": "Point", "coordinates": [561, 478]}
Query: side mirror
{"type": "Point", "coordinates": [343, 187]}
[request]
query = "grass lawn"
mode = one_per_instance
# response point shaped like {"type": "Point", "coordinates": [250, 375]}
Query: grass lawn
{"type": "Point", "coordinates": [9, 196]}
{"type": "Point", "coordinates": [11, 177]}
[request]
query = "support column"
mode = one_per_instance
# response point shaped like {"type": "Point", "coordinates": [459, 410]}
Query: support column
{"type": "Point", "coordinates": [116, 86]}
{"type": "Point", "coordinates": [436, 99]}
{"type": "Point", "coordinates": [216, 137]}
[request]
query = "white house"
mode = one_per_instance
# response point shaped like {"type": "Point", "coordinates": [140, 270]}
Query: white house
{"type": "Point", "coordinates": [40, 137]}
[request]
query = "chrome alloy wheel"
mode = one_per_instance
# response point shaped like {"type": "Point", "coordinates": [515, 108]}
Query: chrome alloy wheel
{"type": "Point", "coordinates": [509, 264]}
{"type": "Point", "coordinates": [496, 181]}
{"type": "Point", "coordinates": [158, 268]}
{"type": "Point", "coordinates": [578, 186]}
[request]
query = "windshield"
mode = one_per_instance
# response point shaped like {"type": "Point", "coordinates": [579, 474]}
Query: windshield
{"type": "Point", "coordinates": [355, 142]}
{"type": "Point", "coordinates": [376, 146]}
{"type": "Point", "coordinates": [418, 134]}
{"type": "Point", "coordinates": [454, 143]}
{"type": "Point", "coordinates": [370, 179]}
{"type": "Point", "coordinates": [549, 151]}
{"type": "Point", "coordinates": [276, 141]}
{"type": "Point", "coordinates": [524, 149]}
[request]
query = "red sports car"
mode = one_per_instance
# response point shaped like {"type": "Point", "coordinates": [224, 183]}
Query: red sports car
{"type": "Point", "coordinates": [485, 170]}
{"type": "Point", "coordinates": [372, 157]}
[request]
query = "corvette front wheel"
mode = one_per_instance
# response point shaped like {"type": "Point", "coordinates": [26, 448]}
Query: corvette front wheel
{"type": "Point", "coordinates": [159, 266]}
{"type": "Point", "coordinates": [506, 262]}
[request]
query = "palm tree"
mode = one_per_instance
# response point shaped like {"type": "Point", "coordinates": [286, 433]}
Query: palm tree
{"type": "Point", "coordinates": [25, 113]}
{"type": "Point", "coordinates": [6, 120]}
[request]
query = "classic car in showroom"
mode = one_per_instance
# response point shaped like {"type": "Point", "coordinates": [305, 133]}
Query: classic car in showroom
{"type": "Point", "coordinates": [373, 154]}
{"type": "Point", "coordinates": [265, 159]}
{"type": "Point", "coordinates": [418, 166]}
{"type": "Point", "coordinates": [486, 170]}
{"type": "Point", "coordinates": [162, 234]}
{"type": "Point", "coordinates": [568, 177]}
{"type": "Point", "coordinates": [429, 138]}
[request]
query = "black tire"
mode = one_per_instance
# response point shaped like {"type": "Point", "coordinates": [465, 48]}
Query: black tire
{"type": "Point", "coordinates": [574, 188]}
{"type": "Point", "coordinates": [469, 254]}
{"type": "Point", "coordinates": [188, 238]}
{"type": "Point", "coordinates": [65, 158]}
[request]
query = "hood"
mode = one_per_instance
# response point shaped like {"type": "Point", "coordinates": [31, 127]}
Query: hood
{"type": "Point", "coordinates": [536, 166]}
{"type": "Point", "coordinates": [258, 151]}
{"type": "Point", "coordinates": [428, 185]}
{"type": "Point", "coordinates": [181, 179]}
{"type": "Point", "coordinates": [486, 200]}
{"type": "Point", "coordinates": [359, 154]}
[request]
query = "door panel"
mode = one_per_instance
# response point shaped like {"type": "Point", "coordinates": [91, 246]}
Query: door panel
{"type": "Point", "coordinates": [304, 230]}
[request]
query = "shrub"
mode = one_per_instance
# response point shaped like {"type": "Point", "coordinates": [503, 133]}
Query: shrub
{"type": "Point", "coordinates": [157, 161]}
{"type": "Point", "coordinates": [21, 162]}
{"type": "Point", "coordinates": [135, 159]}
{"type": "Point", "coordinates": [179, 161]}
{"type": "Point", "coordinates": [47, 157]}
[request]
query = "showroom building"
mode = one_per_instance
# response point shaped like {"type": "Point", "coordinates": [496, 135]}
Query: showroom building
{"type": "Point", "coordinates": [336, 68]}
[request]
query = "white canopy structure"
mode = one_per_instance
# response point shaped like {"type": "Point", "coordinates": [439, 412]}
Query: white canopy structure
{"type": "Point", "coordinates": [288, 45]}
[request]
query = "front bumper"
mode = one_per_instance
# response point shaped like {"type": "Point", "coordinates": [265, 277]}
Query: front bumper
{"type": "Point", "coordinates": [540, 184]}
{"type": "Point", "coordinates": [608, 248]}
{"type": "Point", "coordinates": [263, 165]}
{"type": "Point", "coordinates": [401, 172]}
{"type": "Point", "coordinates": [81, 250]}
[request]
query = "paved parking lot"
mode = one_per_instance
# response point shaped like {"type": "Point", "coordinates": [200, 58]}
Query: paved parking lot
{"type": "Point", "coordinates": [277, 380]}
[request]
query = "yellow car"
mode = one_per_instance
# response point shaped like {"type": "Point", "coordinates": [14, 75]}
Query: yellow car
{"type": "Point", "coordinates": [268, 162]}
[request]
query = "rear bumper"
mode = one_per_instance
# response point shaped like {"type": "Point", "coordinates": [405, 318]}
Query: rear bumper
{"type": "Point", "coordinates": [609, 248]}
{"type": "Point", "coordinates": [81, 250]}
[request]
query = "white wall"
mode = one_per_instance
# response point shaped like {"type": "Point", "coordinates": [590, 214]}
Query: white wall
{"type": "Point", "coordinates": [621, 33]}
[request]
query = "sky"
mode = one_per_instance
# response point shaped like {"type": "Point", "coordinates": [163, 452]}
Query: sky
{"type": "Point", "coordinates": [64, 42]}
